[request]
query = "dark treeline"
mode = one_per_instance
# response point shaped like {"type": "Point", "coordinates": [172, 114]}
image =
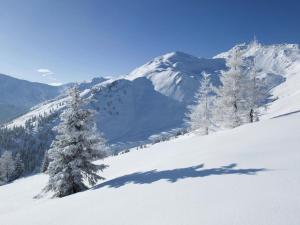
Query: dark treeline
{"type": "Point", "coordinates": [30, 142]}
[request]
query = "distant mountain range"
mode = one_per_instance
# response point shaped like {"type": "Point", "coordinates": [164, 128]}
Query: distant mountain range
{"type": "Point", "coordinates": [18, 96]}
{"type": "Point", "coordinates": [152, 99]}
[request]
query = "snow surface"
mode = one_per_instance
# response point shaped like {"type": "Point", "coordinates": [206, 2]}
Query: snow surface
{"type": "Point", "coordinates": [248, 175]}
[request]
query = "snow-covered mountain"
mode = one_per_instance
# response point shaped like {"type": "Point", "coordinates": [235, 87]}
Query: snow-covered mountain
{"type": "Point", "coordinates": [132, 111]}
{"type": "Point", "coordinates": [18, 96]}
{"type": "Point", "coordinates": [244, 176]}
{"type": "Point", "coordinates": [178, 74]}
{"type": "Point", "coordinates": [134, 108]}
{"type": "Point", "coordinates": [153, 98]}
{"type": "Point", "coordinates": [127, 111]}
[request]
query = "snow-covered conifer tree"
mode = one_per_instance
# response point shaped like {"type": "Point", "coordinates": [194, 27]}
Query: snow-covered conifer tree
{"type": "Point", "coordinates": [73, 150]}
{"type": "Point", "coordinates": [7, 167]}
{"type": "Point", "coordinates": [232, 94]}
{"type": "Point", "coordinates": [200, 115]}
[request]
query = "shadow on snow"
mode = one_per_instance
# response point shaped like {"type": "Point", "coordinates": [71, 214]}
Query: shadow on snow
{"type": "Point", "coordinates": [286, 114]}
{"type": "Point", "coordinates": [174, 175]}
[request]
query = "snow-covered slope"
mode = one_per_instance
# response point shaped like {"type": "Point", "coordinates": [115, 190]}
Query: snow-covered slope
{"type": "Point", "coordinates": [177, 74]}
{"type": "Point", "coordinates": [248, 175]}
{"type": "Point", "coordinates": [18, 96]}
{"type": "Point", "coordinates": [132, 111]}
{"type": "Point", "coordinates": [280, 64]}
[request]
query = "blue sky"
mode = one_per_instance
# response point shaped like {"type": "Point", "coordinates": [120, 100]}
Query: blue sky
{"type": "Point", "coordinates": [58, 41]}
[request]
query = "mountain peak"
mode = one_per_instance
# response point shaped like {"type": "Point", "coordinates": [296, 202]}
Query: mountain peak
{"type": "Point", "coordinates": [177, 74]}
{"type": "Point", "coordinates": [256, 48]}
{"type": "Point", "coordinates": [174, 57]}
{"type": "Point", "coordinates": [177, 55]}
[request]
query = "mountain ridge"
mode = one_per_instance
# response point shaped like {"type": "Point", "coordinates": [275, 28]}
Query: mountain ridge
{"type": "Point", "coordinates": [172, 74]}
{"type": "Point", "coordinates": [18, 96]}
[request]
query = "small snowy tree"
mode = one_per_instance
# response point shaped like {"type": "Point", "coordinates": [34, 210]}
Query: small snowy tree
{"type": "Point", "coordinates": [232, 94]}
{"type": "Point", "coordinates": [7, 167]}
{"type": "Point", "coordinates": [71, 153]}
{"type": "Point", "coordinates": [200, 115]}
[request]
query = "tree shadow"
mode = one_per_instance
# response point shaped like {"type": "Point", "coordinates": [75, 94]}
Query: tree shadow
{"type": "Point", "coordinates": [174, 175]}
{"type": "Point", "coordinates": [286, 114]}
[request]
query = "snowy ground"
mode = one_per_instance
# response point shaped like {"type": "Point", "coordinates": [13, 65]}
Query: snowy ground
{"type": "Point", "coordinates": [245, 176]}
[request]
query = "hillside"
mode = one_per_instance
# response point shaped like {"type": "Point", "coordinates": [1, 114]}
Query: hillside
{"type": "Point", "coordinates": [248, 175]}
{"type": "Point", "coordinates": [18, 96]}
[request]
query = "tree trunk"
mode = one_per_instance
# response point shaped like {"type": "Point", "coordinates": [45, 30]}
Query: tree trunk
{"type": "Point", "coordinates": [251, 116]}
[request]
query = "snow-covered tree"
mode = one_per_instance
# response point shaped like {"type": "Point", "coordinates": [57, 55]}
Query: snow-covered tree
{"type": "Point", "coordinates": [257, 93]}
{"type": "Point", "coordinates": [19, 166]}
{"type": "Point", "coordinates": [73, 150]}
{"type": "Point", "coordinates": [200, 114]}
{"type": "Point", "coordinates": [7, 167]}
{"type": "Point", "coordinates": [232, 94]}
